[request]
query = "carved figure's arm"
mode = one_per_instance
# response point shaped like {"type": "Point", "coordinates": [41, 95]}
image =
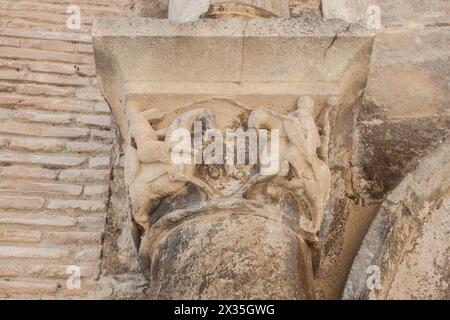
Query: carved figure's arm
{"type": "Point", "coordinates": [147, 144]}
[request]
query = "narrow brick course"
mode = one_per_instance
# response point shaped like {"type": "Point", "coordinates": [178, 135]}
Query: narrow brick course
{"type": "Point", "coordinates": [13, 288]}
{"type": "Point", "coordinates": [84, 205]}
{"type": "Point", "coordinates": [19, 202]}
{"type": "Point", "coordinates": [32, 252]}
{"type": "Point", "coordinates": [55, 148]}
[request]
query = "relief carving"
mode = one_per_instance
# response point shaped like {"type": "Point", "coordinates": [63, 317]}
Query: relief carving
{"type": "Point", "coordinates": [301, 169]}
{"type": "Point", "coordinates": [235, 229]}
{"type": "Point", "coordinates": [302, 179]}
{"type": "Point", "coordinates": [149, 173]}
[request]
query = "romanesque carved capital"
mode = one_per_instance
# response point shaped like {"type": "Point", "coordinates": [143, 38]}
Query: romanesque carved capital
{"type": "Point", "coordinates": [237, 226]}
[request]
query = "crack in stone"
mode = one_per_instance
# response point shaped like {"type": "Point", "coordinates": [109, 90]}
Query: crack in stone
{"type": "Point", "coordinates": [335, 38]}
{"type": "Point", "coordinates": [243, 50]}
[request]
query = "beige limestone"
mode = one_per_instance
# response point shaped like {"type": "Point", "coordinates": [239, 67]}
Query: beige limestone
{"type": "Point", "coordinates": [411, 215]}
{"type": "Point", "coordinates": [297, 84]}
{"type": "Point", "coordinates": [55, 133]}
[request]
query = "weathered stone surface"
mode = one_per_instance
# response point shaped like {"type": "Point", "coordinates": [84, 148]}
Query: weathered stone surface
{"type": "Point", "coordinates": [52, 118]}
{"type": "Point", "coordinates": [225, 9]}
{"type": "Point", "coordinates": [58, 148]}
{"type": "Point", "coordinates": [185, 11]}
{"type": "Point", "coordinates": [28, 236]}
{"type": "Point", "coordinates": [424, 272]}
{"type": "Point", "coordinates": [14, 202]}
{"type": "Point", "coordinates": [245, 252]}
{"type": "Point", "coordinates": [160, 8]}
{"type": "Point", "coordinates": [295, 60]}
{"type": "Point", "coordinates": [305, 8]}
{"type": "Point", "coordinates": [13, 288]}
{"type": "Point", "coordinates": [409, 216]}
{"type": "Point", "coordinates": [393, 12]}
{"type": "Point", "coordinates": [348, 10]}
{"type": "Point", "coordinates": [32, 252]}
{"type": "Point", "coordinates": [392, 149]}
{"type": "Point", "coordinates": [413, 66]}
{"type": "Point", "coordinates": [83, 205]}
{"type": "Point", "coordinates": [309, 60]}
{"type": "Point", "coordinates": [404, 114]}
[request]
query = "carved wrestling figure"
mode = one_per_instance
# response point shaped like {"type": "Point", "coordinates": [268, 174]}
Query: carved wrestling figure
{"type": "Point", "coordinates": [149, 173]}
{"type": "Point", "coordinates": [301, 169]}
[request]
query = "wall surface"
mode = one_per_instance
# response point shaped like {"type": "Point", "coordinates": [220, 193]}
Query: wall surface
{"type": "Point", "coordinates": [60, 174]}
{"type": "Point", "coordinates": [55, 148]}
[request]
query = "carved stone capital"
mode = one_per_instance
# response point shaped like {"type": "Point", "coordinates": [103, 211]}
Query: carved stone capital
{"type": "Point", "coordinates": [221, 229]}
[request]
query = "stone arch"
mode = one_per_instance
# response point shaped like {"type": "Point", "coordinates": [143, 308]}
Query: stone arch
{"type": "Point", "coordinates": [412, 215]}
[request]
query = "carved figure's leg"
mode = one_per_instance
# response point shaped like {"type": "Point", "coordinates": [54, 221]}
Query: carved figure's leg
{"type": "Point", "coordinates": [142, 199]}
{"type": "Point", "coordinates": [313, 173]}
{"type": "Point", "coordinates": [132, 164]}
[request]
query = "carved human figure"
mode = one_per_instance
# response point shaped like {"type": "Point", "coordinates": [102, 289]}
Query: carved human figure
{"type": "Point", "coordinates": [149, 173]}
{"type": "Point", "coordinates": [301, 169]}
{"type": "Point", "coordinates": [226, 217]}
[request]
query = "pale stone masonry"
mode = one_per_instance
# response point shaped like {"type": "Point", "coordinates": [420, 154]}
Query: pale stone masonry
{"type": "Point", "coordinates": [381, 100]}
{"type": "Point", "coordinates": [55, 149]}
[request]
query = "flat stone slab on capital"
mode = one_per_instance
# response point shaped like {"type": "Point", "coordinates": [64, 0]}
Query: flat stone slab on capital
{"type": "Point", "coordinates": [295, 50]}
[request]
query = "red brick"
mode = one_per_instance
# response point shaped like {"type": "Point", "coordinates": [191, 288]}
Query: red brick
{"type": "Point", "coordinates": [58, 68]}
{"type": "Point", "coordinates": [32, 252]}
{"type": "Point", "coordinates": [73, 237]}
{"type": "Point", "coordinates": [75, 146]}
{"type": "Point", "coordinates": [8, 271]}
{"type": "Point", "coordinates": [92, 191]}
{"type": "Point", "coordinates": [83, 205]}
{"type": "Point", "coordinates": [26, 236]}
{"type": "Point", "coordinates": [49, 45]}
{"type": "Point", "coordinates": [33, 89]}
{"type": "Point", "coordinates": [84, 175]}
{"type": "Point", "coordinates": [26, 187]}
{"type": "Point", "coordinates": [39, 34]}
{"type": "Point", "coordinates": [85, 48]}
{"type": "Point", "coordinates": [19, 172]}
{"type": "Point", "coordinates": [40, 55]}
{"type": "Point", "coordinates": [47, 160]}
{"type": "Point", "coordinates": [13, 127]}
{"type": "Point", "coordinates": [20, 202]}
{"type": "Point", "coordinates": [32, 116]}
{"type": "Point", "coordinates": [41, 220]}
{"type": "Point", "coordinates": [36, 144]}
{"type": "Point", "coordinates": [14, 287]}
{"type": "Point", "coordinates": [99, 121]}
{"type": "Point", "coordinates": [45, 103]}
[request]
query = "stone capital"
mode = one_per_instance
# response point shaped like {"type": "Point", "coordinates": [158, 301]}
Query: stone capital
{"type": "Point", "coordinates": [272, 74]}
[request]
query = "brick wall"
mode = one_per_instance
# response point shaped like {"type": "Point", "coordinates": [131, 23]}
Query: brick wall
{"type": "Point", "coordinates": [55, 148]}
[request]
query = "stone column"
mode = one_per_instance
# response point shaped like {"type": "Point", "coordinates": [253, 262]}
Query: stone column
{"type": "Point", "coordinates": [249, 8]}
{"type": "Point", "coordinates": [184, 11]}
